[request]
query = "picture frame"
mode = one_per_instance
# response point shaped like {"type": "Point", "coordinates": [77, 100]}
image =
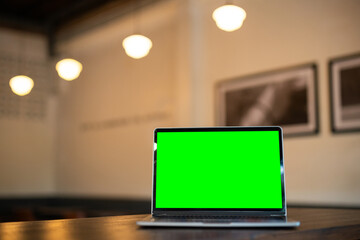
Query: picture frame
{"type": "Point", "coordinates": [285, 98]}
{"type": "Point", "coordinates": [344, 76]}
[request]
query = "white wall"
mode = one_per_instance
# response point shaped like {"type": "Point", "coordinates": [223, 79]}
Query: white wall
{"type": "Point", "coordinates": [324, 168]}
{"type": "Point", "coordinates": [190, 55]}
{"type": "Point", "coordinates": [26, 142]}
{"type": "Point", "coordinates": [106, 117]}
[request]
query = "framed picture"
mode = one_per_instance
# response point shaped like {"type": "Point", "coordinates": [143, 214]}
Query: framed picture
{"type": "Point", "coordinates": [345, 93]}
{"type": "Point", "coordinates": [286, 98]}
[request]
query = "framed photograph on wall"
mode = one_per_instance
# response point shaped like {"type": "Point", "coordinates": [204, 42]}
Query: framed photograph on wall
{"type": "Point", "coordinates": [345, 93]}
{"type": "Point", "coordinates": [286, 98]}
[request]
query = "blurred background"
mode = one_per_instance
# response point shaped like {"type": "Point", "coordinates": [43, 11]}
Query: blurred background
{"type": "Point", "coordinates": [84, 147]}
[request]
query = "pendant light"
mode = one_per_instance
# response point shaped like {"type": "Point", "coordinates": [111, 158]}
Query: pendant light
{"type": "Point", "coordinates": [68, 69]}
{"type": "Point", "coordinates": [137, 45]}
{"type": "Point", "coordinates": [229, 17]}
{"type": "Point", "coordinates": [21, 85]}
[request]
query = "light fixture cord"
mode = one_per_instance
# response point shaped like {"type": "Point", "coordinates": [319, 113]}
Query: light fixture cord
{"type": "Point", "coordinates": [136, 25]}
{"type": "Point", "coordinates": [20, 49]}
{"type": "Point", "coordinates": [229, 2]}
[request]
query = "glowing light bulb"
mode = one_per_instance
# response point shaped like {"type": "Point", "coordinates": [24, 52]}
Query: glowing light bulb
{"type": "Point", "coordinates": [137, 46]}
{"type": "Point", "coordinates": [229, 17]}
{"type": "Point", "coordinates": [21, 85]}
{"type": "Point", "coordinates": [69, 69]}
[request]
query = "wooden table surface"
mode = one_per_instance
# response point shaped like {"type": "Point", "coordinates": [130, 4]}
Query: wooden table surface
{"type": "Point", "coordinates": [316, 223]}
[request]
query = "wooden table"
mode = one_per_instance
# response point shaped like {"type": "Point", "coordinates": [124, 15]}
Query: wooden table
{"type": "Point", "coordinates": [316, 223]}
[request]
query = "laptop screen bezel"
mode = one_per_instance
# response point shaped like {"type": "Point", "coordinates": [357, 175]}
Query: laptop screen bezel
{"type": "Point", "coordinates": [219, 211]}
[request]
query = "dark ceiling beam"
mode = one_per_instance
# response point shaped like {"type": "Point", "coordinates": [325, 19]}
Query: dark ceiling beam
{"type": "Point", "coordinates": [101, 16]}
{"type": "Point", "coordinates": [74, 11]}
{"type": "Point", "coordinates": [67, 17]}
{"type": "Point", "coordinates": [23, 24]}
{"type": "Point", "coordinates": [40, 9]}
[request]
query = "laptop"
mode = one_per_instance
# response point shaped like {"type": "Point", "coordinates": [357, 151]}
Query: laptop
{"type": "Point", "coordinates": [218, 177]}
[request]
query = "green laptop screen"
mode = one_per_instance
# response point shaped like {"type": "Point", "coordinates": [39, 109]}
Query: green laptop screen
{"type": "Point", "coordinates": [218, 169]}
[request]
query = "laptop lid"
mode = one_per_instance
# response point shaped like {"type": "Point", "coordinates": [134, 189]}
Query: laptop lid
{"type": "Point", "coordinates": [218, 171]}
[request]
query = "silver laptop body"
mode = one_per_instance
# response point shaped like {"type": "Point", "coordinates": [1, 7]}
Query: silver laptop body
{"type": "Point", "coordinates": [177, 203]}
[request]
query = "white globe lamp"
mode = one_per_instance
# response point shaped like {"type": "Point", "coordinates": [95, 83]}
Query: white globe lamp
{"type": "Point", "coordinates": [229, 17]}
{"type": "Point", "coordinates": [137, 46]}
{"type": "Point", "coordinates": [69, 69]}
{"type": "Point", "coordinates": [21, 85]}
